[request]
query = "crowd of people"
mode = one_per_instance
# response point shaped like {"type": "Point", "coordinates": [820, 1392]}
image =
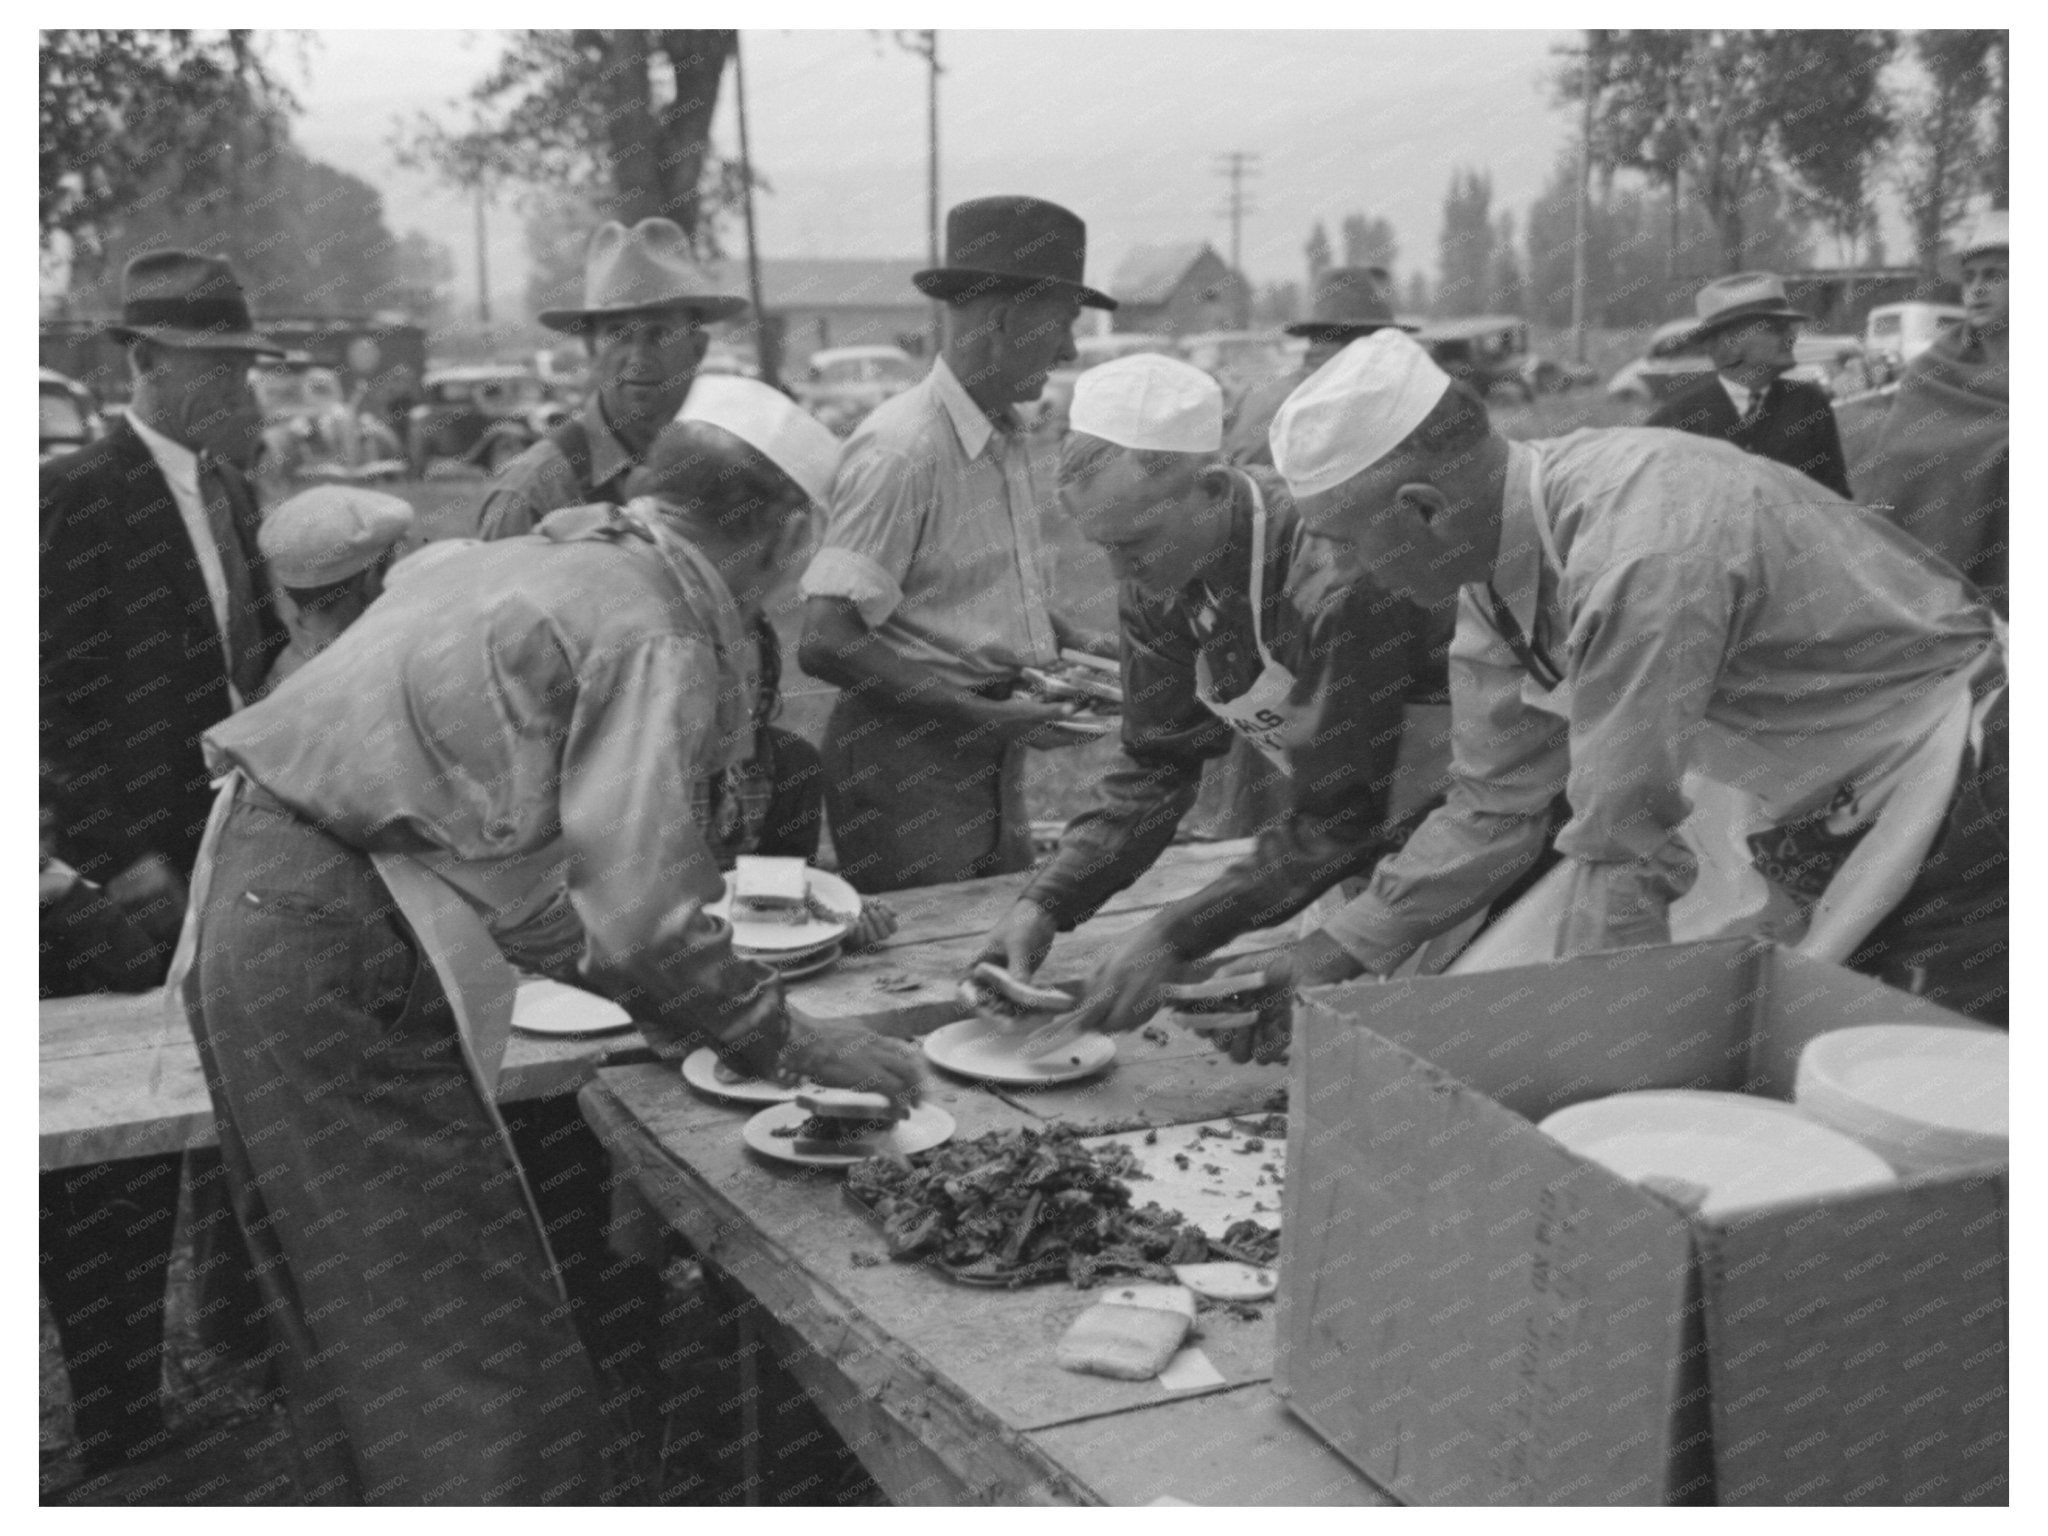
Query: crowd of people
{"type": "Point", "coordinates": [339, 791]}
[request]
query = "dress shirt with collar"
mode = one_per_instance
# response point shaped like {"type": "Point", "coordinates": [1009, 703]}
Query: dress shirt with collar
{"type": "Point", "coordinates": [1710, 609]}
{"type": "Point", "coordinates": [507, 711]}
{"type": "Point", "coordinates": [1739, 395]}
{"type": "Point", "coordinates": [180, 466]}
{"type": "Point", "coordinates": [934, 534]}
{"type": "Point", "coordinates": [541, 480]}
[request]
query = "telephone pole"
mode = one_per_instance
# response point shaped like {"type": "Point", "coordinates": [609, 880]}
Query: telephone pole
{"type": "Point", "coordinates": [1237, 166]}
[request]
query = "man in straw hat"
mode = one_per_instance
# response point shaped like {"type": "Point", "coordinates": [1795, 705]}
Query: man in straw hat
{"type": "Point", "coordinates": [1634, 605]}
{"type": "Point", "coordinates": [1349, 302]}
{"type": "Point", "coordinates": [932, 588]}
{"type": "Point", "coordinates": [1941, 469]}
{"type": "Point", "coordinates": [329, 547]}
{"type": "Point", "coordinates": [156, 622]}
{"type": "Point", "coordinates": [504, 755]}
{"type": "Point", "coordinates": [1747, 326]}
{"type": "Point", "coordinates": [1233, 630]}
{"type": "Point", "coordinates": [645, 305]}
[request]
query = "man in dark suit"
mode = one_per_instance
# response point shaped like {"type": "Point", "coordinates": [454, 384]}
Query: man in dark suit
{"type": "Point", "coordinates": [1748, 328]}
{"type": "Point", "coordinates": [156, 624]}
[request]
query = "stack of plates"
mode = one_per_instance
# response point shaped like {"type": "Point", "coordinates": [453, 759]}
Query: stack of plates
{"type": "Point", "coordinates": [1922, 1096]}
{"type": "Point", "coordinates": [796, 949]}
{"type": "Point", "coordinates": [1736, 1151]}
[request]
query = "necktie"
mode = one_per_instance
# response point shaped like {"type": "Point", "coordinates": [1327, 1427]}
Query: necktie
{"type": "Point", "coordinates": [1755, 409]}
{"type": "Point", "coordinates": [246, 661]}
{"type": "Point", "coordinates": [1534, 659]}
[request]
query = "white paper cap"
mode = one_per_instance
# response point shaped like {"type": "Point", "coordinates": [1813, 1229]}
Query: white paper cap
{"type": "Point", "coordinates": [1351, 412]}
{"type": "Point", "coordinates": [767, 420]}
{"type": "Point", "coordinates": [1149, 401]}
{"type": "Point", "coordinates": [328, 533]}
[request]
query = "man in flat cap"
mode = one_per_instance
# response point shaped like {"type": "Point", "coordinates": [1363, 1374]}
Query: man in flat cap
{"type": "Point", "coordinates": [1942, 467]}
{"type": "Point", "coordinates": [328, 548]}
{"type": "Point", "coordinates": [1634, 604]}
{"type": "Point", "coordinates": [502, 756]}
{"type": "Point", "coordinates": [1748, 328]}
{"type": "Point", "coordinates": [932, 588]}
{"type": "Point", "coordinates": [156, 622]}
{"type": "Point", "coordinates": [1233, 629]}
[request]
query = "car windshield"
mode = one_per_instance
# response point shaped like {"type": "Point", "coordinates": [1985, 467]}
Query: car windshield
{"type": "Point", "coordinates": [893, 370]}
{"type": "Point", "coordinates": [61, 416]}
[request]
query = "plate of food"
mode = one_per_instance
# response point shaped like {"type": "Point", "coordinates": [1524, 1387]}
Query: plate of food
{"type": "Point", "coordinates": [781, 906]}
{"type": "Point", "coordinates": [836, 1128]}
{"type": "Point", "coordinates": [993, 1053]}
{"type": "Point", "coordinates": [703, 1071]}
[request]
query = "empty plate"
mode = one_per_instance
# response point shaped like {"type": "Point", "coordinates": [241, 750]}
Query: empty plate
{"type": "Point", "coordinates": [926, 1126]}
{"type": "Point", "coordinates": [1922, 1096]}
{"type": "Point", "coordinates": [543, 1007]}
{"type": "Point", "coordinates": [978, 1049]}
{"type": "Point", "coordinates": [1741, 1150]}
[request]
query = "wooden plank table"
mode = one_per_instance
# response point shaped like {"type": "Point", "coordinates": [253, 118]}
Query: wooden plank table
{"type": "Point", "coordinates": [949, 1394]}
{"type": "Point", "coordinates": [121, 1079]}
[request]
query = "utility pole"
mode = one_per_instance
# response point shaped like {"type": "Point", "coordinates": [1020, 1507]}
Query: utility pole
{"type": "Point", "coordinates": [1236, 166]}
{"type": "Point", "coordinates": [925, 44]}
{"type": "Point", "coordinates": [767, 341]}
{"type": "Point", "coordinates": [1580, 219]}
{"type": "Point", "coordinates": [483, 279]}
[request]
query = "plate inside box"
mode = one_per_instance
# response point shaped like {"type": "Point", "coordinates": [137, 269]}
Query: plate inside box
{"type": "Point", "coordinates": [1921, 1096]}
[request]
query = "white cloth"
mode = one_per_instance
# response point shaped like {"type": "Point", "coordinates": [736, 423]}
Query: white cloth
{"type": "Point", "coordinates": [180, 466]}
{"type": "Point", "coordinates": [1149, 402]}
{"type": "Point", "coordinates": [1354, 410]}
{"type": "Point", "coordinates": [770, 423]}
{"type": "Point", "coordinates": [1739, 395]}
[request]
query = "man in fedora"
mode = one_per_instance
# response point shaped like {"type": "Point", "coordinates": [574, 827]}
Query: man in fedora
{"type": "Point", "coordinates": [645, 305]}
{"type": "Point", "coordinates": [1747, 327]}
{"type": "Point", "coordinates": [156, 624]}
{"type": "Point", "coordinates": [932, 587]}
{"type": "Point", "coordinates": [1350, 302]}
{"type": "Point", "coordinates": [1942, 469]}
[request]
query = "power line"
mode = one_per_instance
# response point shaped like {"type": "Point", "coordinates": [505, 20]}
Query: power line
{"type": "Point", "coordinates": [1237, 166]}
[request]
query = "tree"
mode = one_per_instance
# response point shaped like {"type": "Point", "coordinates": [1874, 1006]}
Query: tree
{"type": "Point", "coordinates": [1835, 136]}
{"type": "Point", "coordinates": [1504, 277]}
{"type": "Point", "coordinates": [1943, 135]}
{"type": "Point", "coordinates": [1465, 245]}
{"type": "Point", "coordinates": [622, 116]}
{"type": "Point", "coordinates": [423, 279]}
{"type": "Point", "coordinates": [1711, 108]}
{"type": "Point", "coordinates": [1369, 242]}
{"type": "Point", "coordinates": [1318, 252]}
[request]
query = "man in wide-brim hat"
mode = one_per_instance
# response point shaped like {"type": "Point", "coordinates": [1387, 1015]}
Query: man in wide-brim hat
{"type": "Point", "coordinates": [645, 304]}
{"type": "Point", "coordinates": [933, 585]}
{"type": "Point", "coordinates": [156, 623]}
{"type": "Point", "coordinates": [1747, 326]}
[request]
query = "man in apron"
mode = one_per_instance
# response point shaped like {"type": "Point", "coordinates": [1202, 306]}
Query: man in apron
{"type": "Point", "coordinates": [508, 721]}
{"type": "Point", "coordinates": [1231, 631]}
{"type": "Point", "coordinates": [1635, 605]}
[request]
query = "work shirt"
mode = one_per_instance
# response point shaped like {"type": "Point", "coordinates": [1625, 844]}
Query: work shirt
{"type": "Point", "coordinates": [1356, 655]}
{"type": "Point", "coordinates": [511, 710]}
{"type": "Point", "coordinates": [1702, 587]}
{"type": "Point", "coordinates": [934, 535]}
{"type": "Point", "coordinates": [541, 480]}
{"type": "Point", "coordinates": [180, 466]}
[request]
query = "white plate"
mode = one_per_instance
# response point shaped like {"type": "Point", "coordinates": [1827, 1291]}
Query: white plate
{"type": "Point", "coordinates": [1743, 1150]}
{"type": "Point", "coordinates": [542, 1007]}
{"type": "Point", "coordinates": [780, 938]}
{"type": "Point", "coordinates": [698, 1073]}
{"type": "Point", "coordinates": [1922, 1096]}
{"type": "Point", "coordinates": [927, 1126]}
{"type": "Point", "coordinates": [977, 1048]}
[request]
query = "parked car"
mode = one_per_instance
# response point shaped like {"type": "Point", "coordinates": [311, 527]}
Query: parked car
{"type": "Point", "coordinates": [565, 370]}
{"type": "Point", "coordinates": [1488, 352]}
{"type": "Point", "coordinates": [1674, 361]}
{"type": "Point", "coordinates": [1898, 333]}
{"type": "Point", "coordinates": [1048, 413]}
{"type": "Point", "coordinates": [840, 385]}
{"type": "Point", "coordinates": [723, 357]}
{"type": "Point", "coordinates": [67, 416]}
{"type": "Point", "coordinates": [311, 425]}
{"type": "Point", "coordinates": [483, 415]}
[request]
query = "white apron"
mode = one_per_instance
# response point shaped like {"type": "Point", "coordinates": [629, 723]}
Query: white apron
{"type": "Point", "coordinates": [474, 974]}
{"type": "Point", "coordinates": [1905, 798]}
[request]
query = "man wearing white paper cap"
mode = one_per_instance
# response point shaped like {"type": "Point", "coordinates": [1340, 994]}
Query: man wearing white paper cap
{"type": "Point", "coordinates": [328, 548]}
{"type": "Point", "coordinates": [1231, 631]}
{"type": "Point", "coordinates": [1637, 604]}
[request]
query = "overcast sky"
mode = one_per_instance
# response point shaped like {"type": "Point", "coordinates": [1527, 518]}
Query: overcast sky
{"type": "Point", "coordinates": [1123, 127]}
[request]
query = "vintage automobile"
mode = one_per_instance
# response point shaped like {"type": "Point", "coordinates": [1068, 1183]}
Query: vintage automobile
{"type": "Point", "coordinates": [1490, 352]}
{"type": "Point", "coordinates": [67, 415]}
{"type": "Point", "coordinates": [1674, 361]}
{"type": "Point", "coordinates": [1898, 333]}
{"type": "Point", "coordinates": [840, 385]}
{"type": "Point", "coordinates": [312, 427]}
{"type": "Point", "coordinates": [482, 416]}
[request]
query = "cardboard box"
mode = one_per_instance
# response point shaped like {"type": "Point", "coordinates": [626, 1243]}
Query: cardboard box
{"type": "Point", "coordinates": [1472, 1314]}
